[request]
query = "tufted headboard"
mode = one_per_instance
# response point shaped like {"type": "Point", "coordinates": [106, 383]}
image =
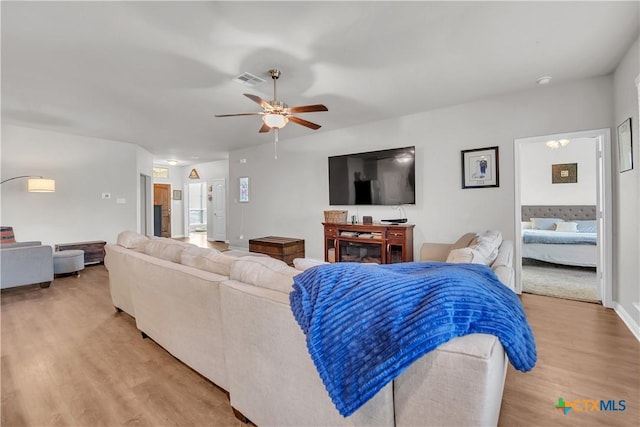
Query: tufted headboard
{"type": "Point", "coordinates": [568, 212]}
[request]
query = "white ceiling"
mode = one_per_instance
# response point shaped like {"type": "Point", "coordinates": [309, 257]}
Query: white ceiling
{"type": "Point", "coordinates": [155, 73]}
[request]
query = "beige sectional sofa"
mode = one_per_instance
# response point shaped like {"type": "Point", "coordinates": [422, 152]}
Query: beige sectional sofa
{"type": "Point", "coordinates": [229, 319]}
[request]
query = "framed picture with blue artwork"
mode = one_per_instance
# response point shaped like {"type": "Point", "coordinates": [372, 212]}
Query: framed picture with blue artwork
{"type": "Point", "coordinates": [480, 168]}
{"type": "Point", "coordinates": [244, 190]}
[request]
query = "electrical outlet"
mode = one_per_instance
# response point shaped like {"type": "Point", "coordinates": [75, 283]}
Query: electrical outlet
{"type": "Point", "coordinates": [106, 195]}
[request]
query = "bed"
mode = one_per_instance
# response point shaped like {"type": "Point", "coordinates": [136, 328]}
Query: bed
{"type": "Point", "coordinates": [564, 235]}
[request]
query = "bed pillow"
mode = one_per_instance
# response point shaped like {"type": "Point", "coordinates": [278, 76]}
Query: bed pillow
{"type": "Point", "coordinates": [570, 227]}
{"type": "Point", "coordinates": [545, 223]}
{"type": "Point", "coordinates": [526, 225]}
{"type": "Point", "coordinates": [587, 226]}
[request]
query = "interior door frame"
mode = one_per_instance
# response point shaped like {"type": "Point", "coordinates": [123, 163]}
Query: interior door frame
{"type": "Point", "coordinates": [603, 206]}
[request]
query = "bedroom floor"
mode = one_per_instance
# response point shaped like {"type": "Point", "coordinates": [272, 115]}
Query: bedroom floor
{"type": "Point", "coordinates": [560, 281]}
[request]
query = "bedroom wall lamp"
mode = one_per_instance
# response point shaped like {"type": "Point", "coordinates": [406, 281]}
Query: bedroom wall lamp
{"type": "Point", "coordinates": [36, 184]}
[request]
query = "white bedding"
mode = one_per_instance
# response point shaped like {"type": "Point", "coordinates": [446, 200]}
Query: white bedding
{"type": "Point", "coordinates": [578, 255]}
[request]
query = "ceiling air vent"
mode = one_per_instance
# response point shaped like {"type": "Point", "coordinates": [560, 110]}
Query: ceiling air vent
{"type": "Point", "coordinates": [248, 79]}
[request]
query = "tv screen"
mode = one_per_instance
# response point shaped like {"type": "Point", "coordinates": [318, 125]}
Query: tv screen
{"type": "Point", "coordinates": [385, 177]}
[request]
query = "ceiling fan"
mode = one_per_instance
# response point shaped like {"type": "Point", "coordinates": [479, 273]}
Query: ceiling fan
{"type": "Point", "coordinates": [276, 114]}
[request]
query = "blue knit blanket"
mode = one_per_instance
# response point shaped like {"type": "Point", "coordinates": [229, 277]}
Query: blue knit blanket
{"type": "Point", "coordinates": [365, 324]}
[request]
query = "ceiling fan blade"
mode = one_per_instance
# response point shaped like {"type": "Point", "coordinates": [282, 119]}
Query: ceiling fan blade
{"type": "Point", "coordinates": [304, 122]}
{"type": "Point", "coordinates": [261, 102]}
{"type": "Point", "coordinates": [239, 114]}
{"type": "Point", "coordinates": [308, 108]}
{"type": "Point", "coordinates": [264, 128]}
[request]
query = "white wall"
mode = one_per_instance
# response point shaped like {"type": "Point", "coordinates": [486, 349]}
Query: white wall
{"type": "Point", "coordinates": [626, 239]}
{"type": "Point", "coordinates": [535, 173]}
{"type": "Point", "coordinates": [83, 168]}
{"type": "Point", "coordinates": [289, 195]}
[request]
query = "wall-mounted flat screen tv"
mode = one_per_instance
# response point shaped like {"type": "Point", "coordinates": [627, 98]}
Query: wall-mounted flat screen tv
{"type": "Point", "coordinates": [385, 177]}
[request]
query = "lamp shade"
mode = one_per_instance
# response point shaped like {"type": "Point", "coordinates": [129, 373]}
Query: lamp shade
{"type": "Point", "coordinates": [41, 185]}
{"type": "Point", "coordinates": [275, 121]}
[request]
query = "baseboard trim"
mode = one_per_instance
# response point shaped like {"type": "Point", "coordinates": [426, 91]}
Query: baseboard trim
{"type": "Point", "coordinates": [627, 319]}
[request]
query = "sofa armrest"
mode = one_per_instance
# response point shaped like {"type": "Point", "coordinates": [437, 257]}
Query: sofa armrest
{"type": "Point", "coordinates": [435, 251]}
{"type": "Point", "coordinates": [26, 265]}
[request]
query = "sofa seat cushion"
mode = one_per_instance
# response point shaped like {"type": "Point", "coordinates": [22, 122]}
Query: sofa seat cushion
{"type": "Point", "coordinates": [264, 272]}
{"type": "Point", "coordinates": [131, 239]}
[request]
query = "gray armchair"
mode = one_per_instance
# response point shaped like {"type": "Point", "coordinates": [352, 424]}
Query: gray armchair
{"type": "Point", "coordinates": [25, 263]}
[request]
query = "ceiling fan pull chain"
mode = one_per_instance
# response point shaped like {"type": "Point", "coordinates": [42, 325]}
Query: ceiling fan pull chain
{"type": "Point", "coordinates": [275, 145]}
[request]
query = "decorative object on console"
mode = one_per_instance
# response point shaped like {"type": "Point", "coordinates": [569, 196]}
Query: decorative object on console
{"type": "Point", "coordinates": [625, 151]}
{"type": "Point", "coordinates": [336, 216]}
{"type": "Point", "coordinates": [566, 173]}
{"type": "Point", "coordinates": [367, 220]}
{"type": "Point", "coordinates": [480, 168]}
{"type": "Point", "coordinates": [36, 184]}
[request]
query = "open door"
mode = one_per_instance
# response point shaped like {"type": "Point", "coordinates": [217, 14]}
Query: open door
{"type": "Point", "coordinates": [162, 199]}
{"type": "Point", "coordinates": [218, 206]}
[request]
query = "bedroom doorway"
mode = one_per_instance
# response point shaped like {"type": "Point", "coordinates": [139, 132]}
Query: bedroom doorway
{"type": "Point", "coordinates": [562, 181]}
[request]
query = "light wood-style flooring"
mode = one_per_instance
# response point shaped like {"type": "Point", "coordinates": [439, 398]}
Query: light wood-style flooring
{"type": "Point", "coordinates": [68, 359]}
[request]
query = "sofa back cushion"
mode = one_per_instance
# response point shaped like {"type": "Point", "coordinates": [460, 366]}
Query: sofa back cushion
{"type": "Point", "coordinates": [131, 240]}
{"type": "Point", "coordinates": [303, 264]}
{"type": "Point", "coordinates": [264, 272]}
{"type": "Point", "coordinates": [166, 249]}
{"type": "Point", "coordinates": [207, 259]}
{"type": "Point", "coordinates": [487, 244]}
{"type": "Point", "coordinates": [466, 256]}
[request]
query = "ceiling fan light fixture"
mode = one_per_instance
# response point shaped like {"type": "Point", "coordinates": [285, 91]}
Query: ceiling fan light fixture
{"type": "Point", "coordinates": [275, 121]}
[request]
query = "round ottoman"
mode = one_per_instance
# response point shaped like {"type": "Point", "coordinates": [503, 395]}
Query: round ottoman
{"type": "Point", "coordinates": [71, 261]}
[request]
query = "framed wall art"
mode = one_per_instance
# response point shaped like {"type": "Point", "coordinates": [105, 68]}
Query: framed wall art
{"type": "Point", "coordinates": [480, 168]}
{"type": "Point", "coordinates": [244, 189]}
{"type": "Point", "coordinates": [177, 194]}
{"type": "Point", "coordinates": [566, 173]}
{"type": "Point", "coordinates": [625, 152]}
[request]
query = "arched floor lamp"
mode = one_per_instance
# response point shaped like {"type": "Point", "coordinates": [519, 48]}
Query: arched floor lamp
{"type": "Point", "coordinates": [36, 184]}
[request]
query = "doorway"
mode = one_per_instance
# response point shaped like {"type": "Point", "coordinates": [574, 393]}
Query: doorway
{"type": "Point", "coordinates": [162, 210]}
{"type": "Point", "coordinates": [197, 212]}
{"type": "Point", "coordinates": [218, 205]}
{"type": "Point", "coordinates": [552, 177]}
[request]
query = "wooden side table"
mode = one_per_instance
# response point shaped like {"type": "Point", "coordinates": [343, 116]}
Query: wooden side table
{"type": "Point", "coordinates": [283, 248]}
{"type": "Point", "coordinates": [93, 251]}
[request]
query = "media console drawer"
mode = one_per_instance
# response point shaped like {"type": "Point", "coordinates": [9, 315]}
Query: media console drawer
{"type": "Point", "coordinates": [283, 248]}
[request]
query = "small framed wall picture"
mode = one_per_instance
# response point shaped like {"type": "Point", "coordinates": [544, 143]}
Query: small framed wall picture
{"type": "Point", "coordinates": [480, 168]}
{"type": "Point", "coordinates": [566, 173]}
{"type": "Point", "coordinates": [625, 151]}
{"type": "Point", "coordinates": [244, 189]}
{"type": "Point", "coordinates": [177, 194]}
